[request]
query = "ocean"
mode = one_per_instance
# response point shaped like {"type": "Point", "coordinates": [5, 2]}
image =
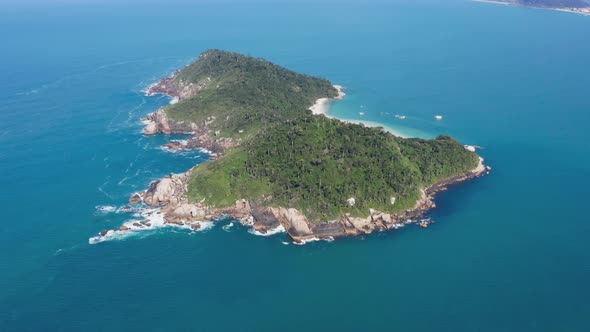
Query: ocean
{"type": "Point", "coordinates": [507, 252]}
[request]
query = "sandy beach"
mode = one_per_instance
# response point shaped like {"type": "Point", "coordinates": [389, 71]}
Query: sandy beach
{"type": "Point", "coordinates": [322, 106]}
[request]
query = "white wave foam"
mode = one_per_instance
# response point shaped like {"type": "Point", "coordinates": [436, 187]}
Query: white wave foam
{"type": "Point", "coordinates": [173, 100]}
{"type": "Point", "coordinates": [211, 153]}
{"type": "Point", "coordinates": [272, 231]}
{"type": "Point", "coordinates": [146, 90]}
{"type": "Point", "coordinates": [148, 219]}
{"type": "Point", "coordinates": [110, 235]}
{"type": "Point", "coordinates": [123, 180]}
{"type": "Point", "coordinates": [101, 188]}
{"type": "Point", "coordinates": [144, 123]}
{"type": "Point", "coordinates": [228, 227]}
{"type": "Point", "coordinates": [186, 150]}
{"type": "Point", "coordinates": [302, 242]}
{"type": "Point", "coordinates": [104, 209]}
{"type": "Point", "coordinates": [248, 222]}
{"type": "Point", "coordinates": [313, 239]}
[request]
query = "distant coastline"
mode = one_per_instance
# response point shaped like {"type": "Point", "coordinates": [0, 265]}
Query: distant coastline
{"type": "Point", "coordinates": [580, 11]}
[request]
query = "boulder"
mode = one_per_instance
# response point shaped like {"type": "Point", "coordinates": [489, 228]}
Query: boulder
{"type": "Point", "coordinates": [174, 221]}
{"type": "Point", "coordinates": [360, 223]}
{"type": "Point", "coordinates": [136, 198]}
{"type": "Point", "coordinates": [242, 205]}
{"type": "Point", "coordinates": [162, 122]}
{"type": "Point", "coordinates": [264, 218]}
{"type": "Point", "coordinates": [294, 221]}
{"type": "Point", "coordinates": [188, 211]}
{"type": "Point", "coordinates": [150, 129]}
{"type": "Point", "coordinates": [377, 216]}
{"type": "Point", "coordinates": [160, 192]}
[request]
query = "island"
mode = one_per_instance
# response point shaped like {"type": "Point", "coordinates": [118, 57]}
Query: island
{"type": "Point", "coordinates": [278, 166]}
{"type": "Point", "coordinates": [571, 6]}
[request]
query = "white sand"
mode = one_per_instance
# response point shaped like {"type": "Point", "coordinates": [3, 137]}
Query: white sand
{"type": "Point", "coordinates": [322, 106]}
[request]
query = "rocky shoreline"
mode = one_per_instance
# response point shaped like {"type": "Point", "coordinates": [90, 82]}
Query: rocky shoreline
{"type": "Point", "coordinates": [169, 194]}
{"type": "Point", "coordinates": [158, 122]}
{"type": "Point", "coordinates": [204, 137]}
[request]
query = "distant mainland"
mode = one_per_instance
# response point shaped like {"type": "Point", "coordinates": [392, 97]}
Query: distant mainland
{"type": "Point", "coordinates": [571, 6]}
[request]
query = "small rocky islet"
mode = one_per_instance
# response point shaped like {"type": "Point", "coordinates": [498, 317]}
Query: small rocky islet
{"type": "Point", "coordinates": [275, 164]}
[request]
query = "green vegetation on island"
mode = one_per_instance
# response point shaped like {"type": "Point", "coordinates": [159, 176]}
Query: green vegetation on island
{"type": "Point", "coordinates": [234, 93]}
{"type": "Point", "coordinates": [315, 164]}
{"type": "Point", "coordinates": [288, 157]}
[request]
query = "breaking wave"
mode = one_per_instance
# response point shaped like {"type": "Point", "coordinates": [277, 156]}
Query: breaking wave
{"type": "Point", "coordinates": [145, 220]}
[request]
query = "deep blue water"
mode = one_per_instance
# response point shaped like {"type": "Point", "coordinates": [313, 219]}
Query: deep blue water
{"type": "Point", "coordinates": [508, 252]}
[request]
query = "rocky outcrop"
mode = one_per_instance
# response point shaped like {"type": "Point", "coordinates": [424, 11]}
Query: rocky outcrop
{"type": "Point", "coordinates": [264, 219]}
{"type": "Point", "coordinates": [203, 137]}
{"type": "Point", "coordinates": [170, 194]}
{"type": "Point", "coordinates": [136, 198]}
{"type": "Point", "coordinates": [176, 88]}
{"type": "Point", "coordinates": [165, 86]}
{"type": "Point", "coordinates": [293, 221]}
{"type": "Point", "coordinates": [168, 191]}
{"type": "Point", "coordinates": [189, 211]}
{"type": "Point", "coordinates": [186, 214]}
{"type": "Point", "coordinates": [157, 122]}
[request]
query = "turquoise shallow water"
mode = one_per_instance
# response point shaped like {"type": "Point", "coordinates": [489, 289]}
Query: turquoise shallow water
{"type": "Point", "coordinates": [508, 252]}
